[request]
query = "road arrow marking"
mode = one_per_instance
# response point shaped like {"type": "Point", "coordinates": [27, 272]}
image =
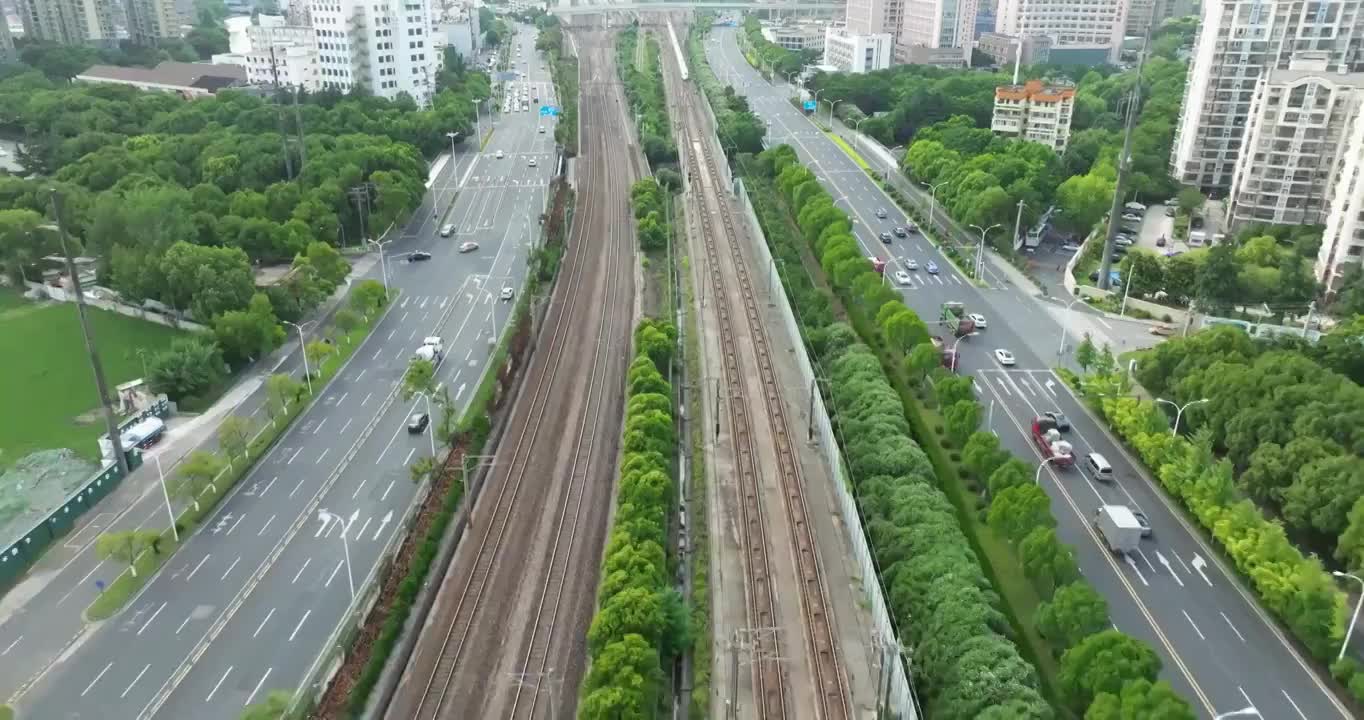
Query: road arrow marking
{"type": "Point", "coordinates": [1166, 562]}
{"type": "Point", "coordinates": [324, 519]}
{"type": "Point", "coordinates": [1051, 386]}
{"type": "Point", "coordinates": [384, 521]}
{"type": "Point", "coordinates": [353, 517]}
{"type": "Point", "coordinates": [1198, 564]}
{"type": "Point", "coordinates": [1132, 562]}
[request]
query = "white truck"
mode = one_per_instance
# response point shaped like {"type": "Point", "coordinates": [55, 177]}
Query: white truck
{"type": "Point", "coordinates": [1118, 527]}
{"type": "Point", "coordinates": [432, 350]}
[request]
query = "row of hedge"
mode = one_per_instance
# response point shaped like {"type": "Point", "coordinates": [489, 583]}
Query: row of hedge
{"type": "Point", "coordinates": [641, 620]}
{"type": "Point", "coordinates": [966, 664]}
{"type": "Point", "coordinates": [1293, 586]}
{"type": "Point", "coordinates": [735, 124]}
{"type": "Point", "coordinates": [644, 89]}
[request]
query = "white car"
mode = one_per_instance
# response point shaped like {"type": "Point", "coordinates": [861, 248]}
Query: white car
{"type": "Point", "coordinates": [447, 230]}
{"type": "Point", "coordinates": [507, 293]}
{"type": "Point", "coordinates": [902, 277]}
{"type": "Point", "coordinates": [911, 264]}
{"type": "Point", "coordinates": [978, 319]}
{"type": "Point", "coordinates": [500, 155]}
{"type": "Point", "coordinates": [468, 247]}
{"type": "Point", "coordinates": [531, 163]}
{"type": "Point", "coordinates": [1004, 357]}
{"type": "Point", "coordinates": [541, 129]}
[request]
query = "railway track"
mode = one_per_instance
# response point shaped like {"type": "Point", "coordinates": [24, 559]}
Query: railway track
{"type": "Point", "coordinates": [771, 687]}
{"type": "Point", "coordinates": [458, 652]}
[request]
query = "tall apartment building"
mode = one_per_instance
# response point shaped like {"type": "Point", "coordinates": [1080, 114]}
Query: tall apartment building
{"type": "Point", "coordinates": [1342, 244]}
{"type": "Point", "coordinates": [1081, 31]}
{"type": "Point", "coordinates": [152, 20]}
{"type": "Point", "coordinates": [1300, 121]}
{"type": "Point", "coordinates": [384, 45]}
{"type": "Point", "coordinates": [70, 22]}
{"type": "Point", "coordinates": [6, 42]}
{"type": "Point", "coordinates": [1146, 14]}
{"type": "Point", "coordinates": [1238, 41]}
{"type": "Point", "coordinates": [283, 55]}
{"type": "Point", "coordinates": [875, 17]}
{"type": "Point", "coordinates": [935, 24]}
{"type": "Point", "coordinates": [1035, 112]}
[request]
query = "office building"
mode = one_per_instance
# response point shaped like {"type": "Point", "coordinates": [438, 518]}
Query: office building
{"type": "Point", "coordinates": [1082, 32]}
{"type": "Point", "coordinates": [797, 36]}
{"type": "Point", "coordinates": [943, 57]}
{"type": "Point", "coordinates": [1300, 121]}
{"type": "Point", "coordinates": [6, 41]}
{"type": "Point", "coordinates": [152, 20]}
{"type": "Point", "coordinates": [1238, 41]}
{"type": "Point", "coordinates": [387, 47]}
{"type": "Point", "coordinates": [1035, 112]}
{"type": "Point", "coordinates": [1004, 49]}
{"type": "Point", "coordinates": [938, 23]}
{"type": "Point", "coordinates": [850, 52]}
{"type": "Point", "coordinates": [1144, 14]}
{"type": "Point", "coordinates": [875, 17]}
{"type": "Point", "coordinates": [69, 22]}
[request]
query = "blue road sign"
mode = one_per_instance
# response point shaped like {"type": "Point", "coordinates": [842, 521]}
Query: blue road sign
{"type": "Point", "coordinates": [810, 105]}
{"type": "Point", "coordinates": [549, 110]}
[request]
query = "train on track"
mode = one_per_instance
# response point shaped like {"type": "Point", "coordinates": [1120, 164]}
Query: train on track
{"type": "Point", "coordinates": [677, 50]}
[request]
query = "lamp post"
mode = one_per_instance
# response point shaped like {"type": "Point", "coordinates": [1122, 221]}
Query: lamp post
{"type": "Point", "coordinates": [933, 200]}
{"type": "Point", "coordinates": [307, 374]}
{"type": "Point", "coordinates": [430, 417]}
{"type": "Point", "coordinates": [1062, 349]}
{"type": "Point", "coordinates": [954, 350]}
{"type": "Point", "coordinates": [1179, 410]}
{"type": "Point", "coordinates": [980, 251]}
{"type": "Point", "coordinates": [327, 519]}
{"type": "Point", "coordinates": [175, 532]}
{"type": "Point", "coordinates": [857, 132]}
{"type": "Point", "coordinates": [832, 104]}
{"type": "Point", "coordinates": [1350, 630]}
{"type": "Point", "coordinates": [1037, 479]}
{"type": "Point", "coordinates": [383, 262]}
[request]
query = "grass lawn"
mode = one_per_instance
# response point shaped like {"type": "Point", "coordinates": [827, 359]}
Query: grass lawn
{"type": "Point", "coordinates": [857, 157]}
{"type": "Point", "coordinates": [46, 380]}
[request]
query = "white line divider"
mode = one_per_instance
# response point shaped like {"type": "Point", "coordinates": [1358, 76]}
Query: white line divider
{"type": "Point", "coordinates": [299, 522]}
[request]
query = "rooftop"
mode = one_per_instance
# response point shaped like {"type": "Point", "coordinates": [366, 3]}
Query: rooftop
{"type": "Point", "coordinates": [1036, 91]}
{"type": "Point", "coordinates": [203, 76]}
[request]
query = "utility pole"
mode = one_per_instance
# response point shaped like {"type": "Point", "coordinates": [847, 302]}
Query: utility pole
{"type": "Point", "coordinates": [298, 121]}
{"type": "Point", "coordinates": [279, 114]}
{"type": "Point", "coordinates": [1124, 167]}
{"type": "Point", "coordinates": [360, 193]}
{"type": "Point", "coordinates": [101, 386]}
{"type": "Point", "coordinates": [1018, 224]}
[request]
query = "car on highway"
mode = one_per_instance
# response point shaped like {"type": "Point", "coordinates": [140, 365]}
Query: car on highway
{"type": "Point", "coordinates": [1004, 357]}
{"type": "Point", "coordinates": [468, 246]}
{"type": "Point", "coordinates": [418, 256]}
{"type": "Point", "coordinates": [1058, 417]}
{"type": "Point", "coordinates": [418, 422]}
{"type": "Point", "coordinates": [531, 162]}
{"type": "Point", "coordinates": [900, 231]}
{"type": "Point", "coordinates": [447, 230]}
{"type": "Point", "coordinates": [911, 264]}
{"type": "Point", "coordinates": [885, 237]}
{"type": "Point", "coordinates": [931, 267]}
{"type": "Point", "coordinates": [902, 277]}
{"type": "Point", "coordinates": [881, 213]}
{"type": "Point", "coordinates": [978, 319]}
{"type": "Point", "coordinates": [500, 155]}
{"type": "Point", "coordinates": [1145, 523]}
{"type": "Point", "coordinates": [507, 293]}
{"type": "Point", "coordinates": [541, 129]}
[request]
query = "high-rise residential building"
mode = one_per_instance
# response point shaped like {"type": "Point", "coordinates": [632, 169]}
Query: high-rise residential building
{"type": "Point", "coordinates": [1342, 243]}
{"type": "Point", "coordinates": [1081, 31]}
{"type": "Point", "coordinates": [1035, 112]}
{"type": "Point", "coordinates": [70, 22]}
{"type": "Point", "coordinates": [1238, 42]}
{"type": "Point", "coordinates": [283, 55]}
{"type": "Point", "coordinates": [1300, 121]}
{"type": "Point", "coordinates": [152, 20]}
{"type": "Point", "coordinates": [938, 23]}
{"type": "Point", "coordinates": [6, 41]}
{"type": "Point", "coordinates": [1005, 49]}
{"type": "Point", "coordinates": [1149, 14]}
{"type": "Point", "coordinates": [875, 17]}
{"type": "Point", "coordinates": [850, 52]}
{"type": "Point", "coordinates": [386, 46]}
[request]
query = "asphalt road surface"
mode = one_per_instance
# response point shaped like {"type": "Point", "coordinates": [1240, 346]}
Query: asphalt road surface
{"type": "Point", "coordinates": [250, 600]}
{"type": "Point", "coordinates": [1220, 649]}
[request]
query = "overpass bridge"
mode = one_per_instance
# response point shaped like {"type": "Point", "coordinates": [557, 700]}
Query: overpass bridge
{"type": "Point", "coordinates": [567, 7]}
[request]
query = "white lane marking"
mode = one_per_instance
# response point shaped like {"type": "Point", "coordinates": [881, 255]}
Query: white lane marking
{"type": "Point", "coordinates": [295, 455]}
{"type": "Point", "coordinates": [402, 319]}
{"type": "Point", "coordinates": [1181, 562]}
{"type": "Point", "coordinates": [1194, 625]}
{"type": "Point", "coordinates": [380, 350]}
{"type": "Point", "coordinates": [252, 696]}
{"type": "Point", "coordinates": [413, 336]}
{"type": "Point", "coordinates": [1003, 387]}
{"type": "Point", "coordinates": [361, 374]}
{"type": "Point", "coordinates": [323, 455]}
{"type": "Point", "coordinates": [390, 334]}
{"type": "Point", "coordinates": [214, 691]}
{"type": "Point", "coordinates": [147, 624]}
{"type": "Point", "coordinates": [298, 486]}
{"type": "Point", "coordinates": [11, 646]}
{"type": "Point", "coordinates": [97, 677]}
{"type": "Point", "coordinates": [1233, 627]}
{"type": "Point", "coordinates": [1147, 561]}
{"type": "Point", "coordinates": [268, 486]}
{"type": "Point", "coordinates": [362, 528]}
{"type": "Point", "coordinates": [367, 397]}
{"type": "Point", "coordinates": [261, 626]}
{"type": "Point", "coordinates": [302, 620]}
{"type": "Point", "coordinates": [306, 561]}
{"type": "Point", "coordinates": [235, 524]}
{"type": "Point", "coordinates": [134, 682]}
{"type": "Point", "coordinates": [230, 567]}
{"type": "Point", "coordinates": [265, 526]}
{"type": "Point", "coordinates": [1295, 705]}
{"type": "Point", "coordinates": [460, 391]}
{"type": "Point", "coordinates": [390, 487]}
{"type": "Point", "coordinates": [319, 425]}
{"type": "Point", "coordinates": [335, 570]}
{"type": "Point", "coordinates": [1101, 322]}
{"type": "Point", "coordinates": [410, 453]}
{"type": "Point", "coordinates": [191, 572]}
{"type": "Point", "coordinates": [343, 427]}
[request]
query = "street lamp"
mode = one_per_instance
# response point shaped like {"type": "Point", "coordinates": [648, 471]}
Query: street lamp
{"type": "Point", "coordinates": [954, 349]}
{"type": "Point", "coordinates": [980, 251]}
{"type": "Point", "coordinates": [833, 104]}
{"type": "Point", "coordinates": [175, 532]}
{"type": "Point", "coordinates": [1037, 479]}
{"type": "Point", "coordinates": [383, 262]}
{"type": "Point", "coordinates": [1350, 630]}
{"type": "Point", "coordinates": [306, 373]}
{"type": "Point", "coordinates": [1179, 410]}
{"type": "Point", "coordinates": [327, 519]}
{"type": "Point", "coordinates": [933, 199]}
{"type": "Point", "coordinates": [1061, 350]}
{"type": "Point", "coordinates": [857, 132]}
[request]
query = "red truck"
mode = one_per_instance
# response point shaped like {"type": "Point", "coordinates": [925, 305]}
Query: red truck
{"type": "Point", "coordinates": [878, 265]}
{"type": "Point", "coordinates": [949, 357]}
{"type": "Point", "coordinates": [1048, 440]}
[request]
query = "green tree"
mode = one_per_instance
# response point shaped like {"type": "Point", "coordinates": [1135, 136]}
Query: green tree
{"type": "Point", "coordinates": [1103, 663]}
{"type": "Point", "coordinates": [1085, 353]}
{"type": "Point", "coordinates": [1141, 700]}
{"type": "Point", "coordinates": [420, 377]}
{"type": "Point", "coordinates": [318, 352]}
{"type": "Point", "coordinates": [1189, 200]}
{"type": "Point", "coordinates": [346, 321]}
{"type": "Point", "coordinates": [982, 454]}
{"type": "Point", "coordinates": [273, 707]}
{"type": "Point", "coordinates": [368, 297]}
{"type": "Point", "coordinates": [189, 368]}
{"type": "Point", "coordinates": [962, 418]}
{"type": "Point", "coordinates": [1218, 284]}
{"type": "Point", "coordinates": [245, 335]}
{"type": "Point", "coordinates": [127, 545]}
{"type": "Point", "coordinates": [196, 474]}
{"type": "Point", "coordinates": [208, 280]}
{"type": "Point", "coordinates": [1075, 611]}
{"type": "Point", "coordinates": [1016, 511]}
{"type": "Point", "coordinates": [329, 264]}
{"type": "Point", "coordinates": [954, 389]}
{"type": "Point", "coordinates": [922, 359]}
{"type": "Point", "coordinates": [1012, 473]}
{"type": "Point", "coordinates": [635, 610]}
{"type": "Point", "coordinates": [234, 434]}
{"type": "Point", "coordinates": [282, 391]}
{"type": "Point", "coordinates": [1047, 562]}
{"type": "Point", "coordinates": [1084, 200]}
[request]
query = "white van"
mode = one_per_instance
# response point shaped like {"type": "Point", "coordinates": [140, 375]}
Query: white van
{"type": "Point", "coordinates": [1135, 207]}
{"type": "Point", "coordinates": [1197, 237]}
{"type": "Point", "coordinates": [1098, 468]}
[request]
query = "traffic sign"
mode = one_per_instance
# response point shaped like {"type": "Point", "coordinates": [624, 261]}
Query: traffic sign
{"type": "Point", "coordinates": [549, 110]}
{"type": "Point", "coordinates": [810, 105]}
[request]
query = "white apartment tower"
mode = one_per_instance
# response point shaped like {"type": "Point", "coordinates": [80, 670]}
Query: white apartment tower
{"type": "Point", "coordinates": [1080, 30]}
{"type": "Point", "coordinates": [1035, 112]}
{"type": "Point", "coordinates": [1342, 244]}
{"type": "Point", "coordinates": [69, 22]}
{"type": "Point", "coordinates": [1301, 120]}
{"type": "Point", "coordinates": [283, 55]}
{"type": "Point", "coordinates": [875, 17]}
{"type": "Point", "coordinates": [1238, 41]}
{"type": "Point", "coordinates": [152, 20]}
{"type": "Point", "coordinates": [938, 23]}
{"type": "Point", "coordinates": [384, 45]}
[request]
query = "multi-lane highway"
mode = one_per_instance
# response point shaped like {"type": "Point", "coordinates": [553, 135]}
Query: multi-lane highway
{"type": "Point", "coordinates": [249, 601]}
{"type": "Point", "coordinates": [1219, 648]}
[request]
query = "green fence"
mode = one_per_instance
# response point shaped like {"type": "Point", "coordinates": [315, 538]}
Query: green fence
{"type": "Point", "coordinates": [25, 550]}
